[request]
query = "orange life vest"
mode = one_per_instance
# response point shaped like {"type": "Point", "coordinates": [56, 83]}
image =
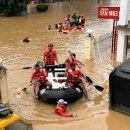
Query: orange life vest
{"type": "Point", "coordinates": [74, 76]}
{"type": "Point", "coordinates": [39, 75]}
{"type": "Point", "coordinates": [68, 28]}
{"type": "Point", "coordinates": [69, 61]}
{"type": "Point", "coordinates": [50, 56]}
{"type": "Point", "coordinates": [61, 108]}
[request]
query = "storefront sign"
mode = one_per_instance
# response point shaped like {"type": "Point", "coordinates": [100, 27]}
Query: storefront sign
{"type": "Point", "coordinates": [108, 12]}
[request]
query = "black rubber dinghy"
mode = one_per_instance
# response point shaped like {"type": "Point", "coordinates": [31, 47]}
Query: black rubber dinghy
{"type": "Point", "coordinates": [60, 66]}
{"type": "Point", "coordinates": [52, 96]}
{"type": "Point", "coordinates": [68, 94]}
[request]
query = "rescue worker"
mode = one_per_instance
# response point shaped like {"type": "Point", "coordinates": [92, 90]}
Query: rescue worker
{"type": "Point", "coordinates": [56, 26]}
{"type": "Point", "coordinates": [74, 19]}
{"type": "Point", "coordinates": [26, 39]}
{"type": "Point", "coordinates": [79, 27]}
{"type": "Point", "coordinates": [68, 18]}
{"type": "Point", "coordinates": [49, 58]}
{"type": "Point", "coordinates": [67, 24]}
{"type": "Point", "coordinates": [49, 27]}
{"type": "Point", "coordinates": [60, 27]}
{"type": "Point", "coordinates": [72, 59]}
{"type": "Point", "coordinates": [82, 20]}
{"type": "Point", "coordinates": [74, 78]}
{"type": "Point", "coordinates": [61, 107]}
{"type": "Point", "coordinates": [39, 76]}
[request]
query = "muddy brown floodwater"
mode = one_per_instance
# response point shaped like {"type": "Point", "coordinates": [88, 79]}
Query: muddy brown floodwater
{"type": "Point", "coordinates": [92, 115]}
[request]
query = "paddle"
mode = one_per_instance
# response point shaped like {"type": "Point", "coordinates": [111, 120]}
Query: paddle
{"type": "Point", "coordinates": [27, 67]}
{"type": "Point", "coordinates": [88, 79]}
{"type": "Point", "coordinates": [96, 86]}
{"type": "Point", "coordinates": [91, 83]}
{"type": "Point", "coordinates": [24, 89]}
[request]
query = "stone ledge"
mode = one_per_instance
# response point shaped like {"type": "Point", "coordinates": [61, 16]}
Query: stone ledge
{"type": "Point", "coordinates": [125, 28]}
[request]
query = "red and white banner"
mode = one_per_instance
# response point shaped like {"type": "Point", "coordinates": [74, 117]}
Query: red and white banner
{"type": "Point", "coordinates": [108, 12]}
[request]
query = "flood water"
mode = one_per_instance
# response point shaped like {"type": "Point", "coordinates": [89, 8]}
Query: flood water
{"type": "Point", "coordinates": [92, 115]}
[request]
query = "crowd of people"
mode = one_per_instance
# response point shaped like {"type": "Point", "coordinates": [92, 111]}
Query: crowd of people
{"type": "Point", "coordinates": [73, 73]}
{"type": "Point", "coordinates": [71, 23]}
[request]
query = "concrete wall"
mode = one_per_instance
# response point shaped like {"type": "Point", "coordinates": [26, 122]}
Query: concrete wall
{"type": "Point", "coordinates": [3, 84]}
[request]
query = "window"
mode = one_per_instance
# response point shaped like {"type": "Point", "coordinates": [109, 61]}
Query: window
{"type": "Point", "coordinates": [18, 125]}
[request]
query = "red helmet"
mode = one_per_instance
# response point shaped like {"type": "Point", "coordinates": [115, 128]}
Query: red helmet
{"type": "Point", "coordinates": [26, 38]}
{"type": "Point", "coordinates": [50, 44]}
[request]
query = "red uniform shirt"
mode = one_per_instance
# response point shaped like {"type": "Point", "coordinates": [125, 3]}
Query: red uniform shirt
{"type": "Point", "coordinates": [69, 61]}
{"type": "Point", "coordinates": [41, 75]}
{"type": "Point", "coordinates": [50, 56]}
{"type": "Point", "coordinates": [74, 76]}
{"type": "Point", "coordinates": [61, 109]}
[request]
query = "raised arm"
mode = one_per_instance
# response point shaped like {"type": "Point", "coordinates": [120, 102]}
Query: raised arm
{"type": "Point", "coordinates": [82, 75]}
{"type": "Point", "coordinates": [32, 77]}
{"type": "Point", "coordinates": [80, 62]}
{"type": "Point", "coordinates": [44, 58]}
{"type": "Point", "coordinates": [56, 57]}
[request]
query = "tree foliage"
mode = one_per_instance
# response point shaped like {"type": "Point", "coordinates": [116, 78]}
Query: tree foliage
{"type": "Point", "coordinates": [42, 7]}
{"type": "Point", "coordinates": [12, 7]}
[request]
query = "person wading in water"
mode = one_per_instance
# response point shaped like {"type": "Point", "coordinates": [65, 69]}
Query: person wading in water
{"type": "Point", "coordinates": [61, 107]}
{"type": "Point", "coordinates": [49, 58]}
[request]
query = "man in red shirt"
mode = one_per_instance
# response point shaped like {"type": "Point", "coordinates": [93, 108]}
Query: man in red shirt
{"type": "Point", "coordinates": [72, 59]}
{"type": "Point", "coordinates": [61, 107]}
{"type": "Point", "coordinates": [49, 58]}
{"type": "Point", "coordinates": [39, 77]}
{"type": "Point", "coordinates": [74, 78]}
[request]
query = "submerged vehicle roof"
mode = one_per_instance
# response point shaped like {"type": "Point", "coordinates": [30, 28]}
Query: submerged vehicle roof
{"type": "Point", "coordinates": [5, 121]}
